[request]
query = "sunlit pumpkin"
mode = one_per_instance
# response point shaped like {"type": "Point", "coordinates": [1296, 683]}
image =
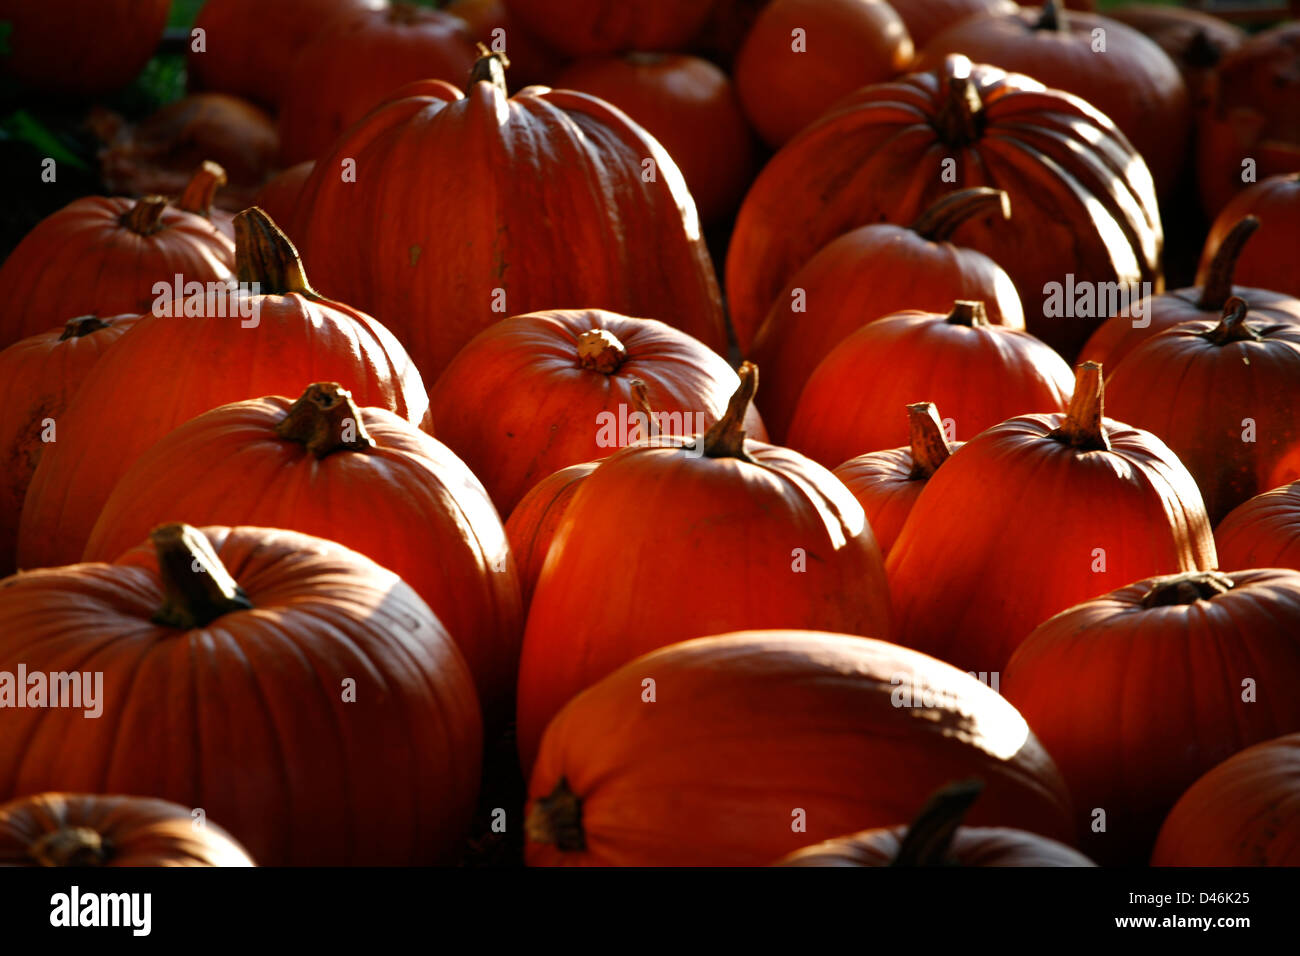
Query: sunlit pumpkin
{"type": "Point", "coordinates": [1262, 532]}
{"type": "Point", "coordinates": [1269, 261]}
{"type": "Point", "coordinates": [534, 521]}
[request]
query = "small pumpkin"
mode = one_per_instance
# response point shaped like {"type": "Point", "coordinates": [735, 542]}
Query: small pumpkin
{"type": "Point", "coordinates": [103, 256]}
{"type": "Point", "coordinates": [1220, 393]}
{"type": "Point", "coordinates": [1262, 532]}
{"type": "Point", "coordinates": [1189, 641]}
{"type": "Point", "coordinates": [173, 368]}
{"type": "Point", "coordinates": [533, 523]}
{"type": "Point", "coordinates": [1033, 516]}
{"type": "Point", "coordinates": [600, 27]}
{"type": "Point", "coordinates": [1268, 262]}
{"type": "Point", "coordinates": [532, 394]}
{"type": "Point", "coordinates": [93, 830]}
{"type": "Point", "coordinates": [740, 533]}
{"type": "Point", "coordinates": [440, 265]}
{"type": "Point", "coordinates": [1083, 200]}
{"type": "Point", "coordinates": [363, 477]}
{"type": "Point", "coordinates": [748, 732]}
{"type": "Point", "coordinates": [980, 373]}
{"type": "Point", "coordinates": [937, 838]}
{"type": "Point", "coordinates": [887, 483]}
{"type": "Point", "coordinates": [890, 267]}
{"type": "Point", "coordinates": [299, 693]}
{"type": "Point", "coordinates": [690, 107]}
{"type": "Point", "coordinates": [1137, 321]}
{"type": "Point", "coordinates": [38, 377]}
{"type": "Point", "coordinates": [352, 62]}
{"type": "Point", "coordinates": [1244, 812]}
{"type": "Point", "coordinates": [801, 56]}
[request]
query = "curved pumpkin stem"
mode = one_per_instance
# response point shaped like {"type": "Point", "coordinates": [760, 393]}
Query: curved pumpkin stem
{"type": "Point", "coordinates": [1083, 427]}
{"type": "Point", "coordinates": [1052, 17]}
{"type": "Point", "coordinates": [70, 846]}
{"type": "Point", "coordinates": [929, 839]}
{"type": "Point", "coordinates": [197, 588]}
{"type": "Point", "coordinates": [264, 254]}
{"type": "Point", "coordinates": [968, 312]}
{"type": "Point", "coordinates": [726, 439]}
{"type": "Point", "coordinates": [930, 447]}
{"type": "Point", "coordinates": [599, 350]}
{"type": "Point", "coordinates": [941, 220]}
{"type": "Point", "coordinates": [201, 190]}
{"type": "Point", "coordinates": [1218, 278]}
{"type": "Point", "coordinates": [82, 326]}
{"type": "Point", "coordinates": [145, 217]}
{"type": "Point", "coordinates": [960, 119]}
{"type": "Point", "coordinates": [641, 400]}
{"type": "Point", "coordinates": [1187, 588]}
{"type": "Point", "coordinates": [556, 820]}
{"type": "Point", "coordinates": [489, 68]}
{"type": "Point", "coordinates": [1232, 325]}
{"type": "Point", "coordinates": [325, 420]}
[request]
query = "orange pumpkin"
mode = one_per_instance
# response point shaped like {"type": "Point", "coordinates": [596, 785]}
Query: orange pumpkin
{"type": "Point", "coordinates": [723, 748]}
{"type": "Point", "coordinates": [1262, 532]}
{"type": "Point", "coordinates": [534, 521]}
{"type": "Point", "coordinates": [1269, 261]}
{"type": "Point", "coordinates": [739, 533]}
{"type": "Point", "coordinates": [980, 374]}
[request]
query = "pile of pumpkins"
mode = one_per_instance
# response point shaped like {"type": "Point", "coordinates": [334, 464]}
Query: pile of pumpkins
{"type": "Point", "coordinates": [953, 536]}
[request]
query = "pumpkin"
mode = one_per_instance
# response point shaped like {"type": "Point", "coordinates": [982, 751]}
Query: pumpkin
{"type": "Point", "coordinates": [690, 107]}
{"type": "Point", "coordinates": [887, 483]}
{"type": "Point", "coordinates": [1262, 532]}
{"type": "Point", "coordinates": [937, 838]}
{"type": "Point", "coordinates": [279, 197]}
{"type": "Point", "coordinates": [81, 48]}
{"type": "Point", "coordinates": [1130, 79]}
{"type": "Point", "coordinates": [1269, 262]}
{"type": "Point", "coordinates": [81, 829]}
{"type": "Point", "coordinates": [200, 194]}
{"type": "Point", "coordinates": [173, 368]}
{"type": "Point", "coordinates": [925, 19]}
{"type": "Point", "coordinates": [1194, 40]}
{"type": "Point", "coordinates": [981, 374]}
{"type": "Point", "coordinates": [440, 265]}
{"type": "Point", "coordinates": [1033, 516]}
{"type": "Point", "coordinates": [355, 60]}
{"type": "Point", "coordinates": [595, 27]}
{"type": "Point", "coordinates": [533, 523]}
{"type": "Point", "coordinates": [1244, 812]}
{"type": "Point", "coordinates": [1139, 320]}
{"type": "Point", "coordinates": [310, 700]}
{"type": "Point", "coordinates": [249, 44]}
{"type": "Point", "coordinates": [365, 478]}
{"type": "Point", "coordinates": [1250, 115]}
{"type": "Point", "coordinates": [1220, 395]}
{"type": "Point", "coordinates": [102, 256]}
{"type": "Point", "coordinates": [1083, 200]}
{"type": "Point", "coordinates": [736, 749]}
{"type": "Point", "coordinates": [38, 377]}
{"type": "Point", "coordinates": [801, 56]}
{"type": "Point", "coordinates": [1109, 685]}
{"type": "Point", "coordinates": [490, 23]}
{"type": "Point", "coordinates": [571, 375]}
{"type": "Point", "coordinates": [892, 268]}
{"type": "Point", "coordinates": [740, 533]}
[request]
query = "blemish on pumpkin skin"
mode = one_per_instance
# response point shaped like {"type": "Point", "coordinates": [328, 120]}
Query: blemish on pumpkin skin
{"type": "Point", "coordinates": [415, 254]}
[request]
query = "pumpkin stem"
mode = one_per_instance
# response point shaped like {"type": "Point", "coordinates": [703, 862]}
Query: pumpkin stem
{"type": "Point", "coordinates": [1083, 426]}
{"type": "Point", "coordinates": [644, 58]}
{"type": "Point", "coordinates": [70, 846]}
{"type": "Point", "coordinates": [325, 420]}
{"type": "Point", "coordinates": [197, 588]}
{"type": "Point", "coordinates": [1200, 53]}
{"type": "Point", "coordinates": [969, 313]}
{"type": "Point", "coordinates": [1232, 325]}
{"type": "Point", "coordinates": [202, 188]}
{"type": "Point", "coordinates": [928, 841]}
{"type": "Point", "coordinates": [1187, 588]}
{"type": "Point", "coordinates": [641, 399]}
{"type": "Point", "coordinates": [941, 220]}
{"type": "Point", "coordinates": [930, 447]}
{"type": "Point", "coordinates": [264, 254]}
{"type": "Point", "coordinates": [1052, 17]}
{"type": "Point", "coordinates": [557, 820]}
{"type": "Point", "coordinates": [81, 326]}
{"type": "Point", "coordinates": [145, 217]}
{"type": "Point", "coordinates": [1218, 278]}
{"type": "Point", "coordinates": [490, 68]}
{"type": "Point", "coordinates": [726, 439]}
{"type": "Point", "coordinates": [600, 351]}
{"type": "Point", "coordinates": [960, 119]}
